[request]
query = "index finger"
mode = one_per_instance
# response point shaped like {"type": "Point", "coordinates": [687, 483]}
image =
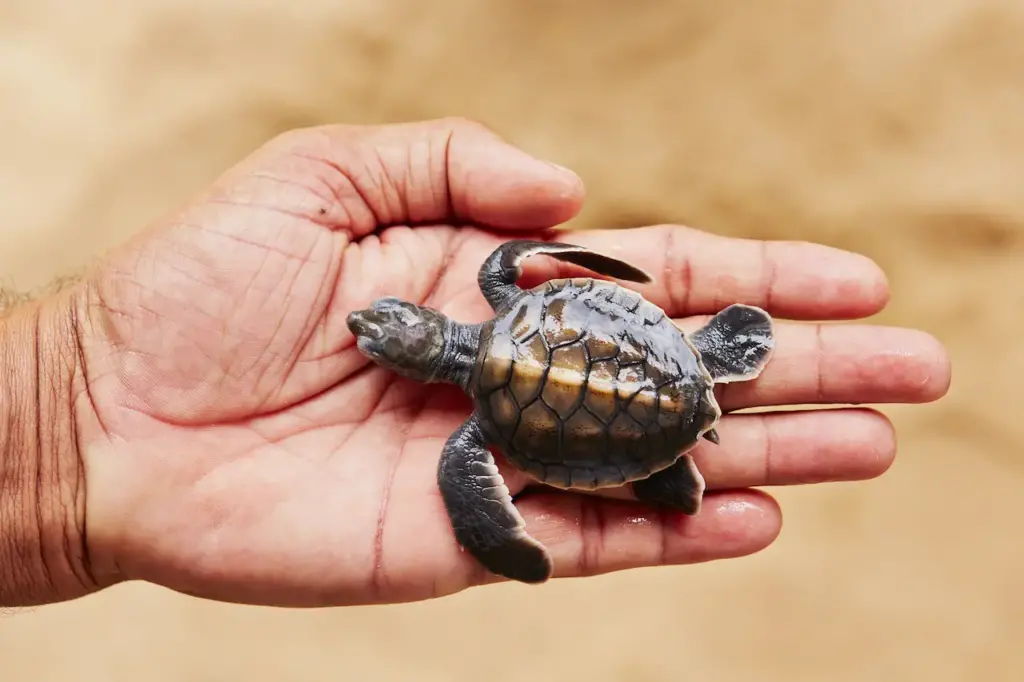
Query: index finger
{"type": "Point", "coordinates": [699, 273]}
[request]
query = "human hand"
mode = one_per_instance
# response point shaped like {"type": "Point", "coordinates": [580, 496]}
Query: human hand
{"type": "Point", "coordinates": [237, 446]}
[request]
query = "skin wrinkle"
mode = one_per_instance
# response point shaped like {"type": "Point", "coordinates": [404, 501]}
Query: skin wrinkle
{"type": "Point", "coordinates": [336, 199]}
{"type": "Point", "coordinates": [766, 430]}
{"type": "Point", "coordinates": [684, 269]}
{"type": "Point", "coordinates": [329, 284]}
{"type": "Point", "coordinates": [227, 371]}
{"type": "Point", "coordinates": [307, 427]}
{"type": "Point", "coordinates": [78, 333]}
{"type": "Point", "coordinates": [451, 249]}
{"type": "Point", "coordinates": [206, 379]}
{"type": "Point", "coordinates": [262, 175]}
{"type": "Point", "coordinates": [40, 524]}
{"type": "Point", "coordinates": [261, 355]}
{"type": "Point", "coordinates": [6, 465]}
{"type": "Point", "coordinates": [313, 218]}
{"type": "Point", "coordinates": [377, 572]}
{"type": "Point", "coordinates": [662, 524]}
{"type": "Point", "coordinates": [770, 273]}
{"type": "Point", "coordinates": [239, 305]}
{"type": "Point", "coordinates": [267, 248]}
{"type": "Point", "coordinates": [146, 294]}
{"type": "Point", "coordinates": [384, 184]}
{"type": "Point", "coordinates": [592, 530]}
{"type": "Point", "coordinates": [357, 225]}
{"type": "Point", "coordinates": [47, 504]}
{"type": "Point", "coordinates": [168, 421]}
{"type": "Point", "coordinates": [401, 186]}
{"type": "Point", "coordinates": [181, 271]}
{"type": "Point", "coordinates": [73, 516]}
{"type": "Point", "coordinates": [819, 378]}
{"type": "Point", "coordinates": [145, 308]}
{"type": "Point", "coordinates": [446, 175]}
{"type": "Point", "coordinates": [214, 362]}
{"type": "Point", "coordinates": [111, 330]}
{"type": "Point", "coordinates": [430, 174]}
{"type": "Point", "coordinates": [380, 184]}
{"type": "Point", "coordinates": [334, 285]}
{"type": "Point", "coordinates": [402, 248]}
{"type": "Point", "coordinates": [319, 162]}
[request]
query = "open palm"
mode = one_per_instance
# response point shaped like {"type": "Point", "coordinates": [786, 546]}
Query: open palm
{"type": "Point", "coordinates": [239, 447]}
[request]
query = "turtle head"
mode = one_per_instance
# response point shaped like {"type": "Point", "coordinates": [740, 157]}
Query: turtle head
{"type": "Point", "coordinates": [403, 337]}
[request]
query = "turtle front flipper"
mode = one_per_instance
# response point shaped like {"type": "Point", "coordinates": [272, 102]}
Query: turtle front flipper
{"type": "Point", "coordinates": [679, 487]}
{"type": "Point", "coordinates": [735, 344]}
{"type": "Point", "coordinates": [497, 276]}
{"type": "Point", "coordinates": [483, 517]}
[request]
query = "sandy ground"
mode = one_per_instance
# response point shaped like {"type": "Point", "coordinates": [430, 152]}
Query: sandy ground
{"type": "Point", "coordinates": [894, 129]}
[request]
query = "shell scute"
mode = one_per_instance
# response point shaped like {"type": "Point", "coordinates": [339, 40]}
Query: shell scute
{"type": "Point", "coordinates": [565, 321]}
{"type": "Point", "coordinates": [562, 390]}
{"type": "Point", "coordinates": [503, 411]}
{"type": "Point", "coordinates": [597, 400]}
{"type": "Point", "coordinates": [600, 346]}
{"type": "Point", "coordinates": [583, 434]}
{"type": "Point", "coordinates": [498, 368]}
{"type": "Point", "coordinates": [538, 425]}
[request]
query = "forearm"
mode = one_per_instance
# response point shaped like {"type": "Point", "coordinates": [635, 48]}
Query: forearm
{"type": "Point", "coordinates": [42, 497]}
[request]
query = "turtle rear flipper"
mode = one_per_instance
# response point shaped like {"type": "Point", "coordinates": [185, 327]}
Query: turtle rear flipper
{"type": "Point", "coordinates": [498, 274]}
{"type": "Point", "coordinates": [735, 344]}
{"type": "Point", "coordinates": [480, 509]}
{"type": "Point", "coordinates": [680, 486]}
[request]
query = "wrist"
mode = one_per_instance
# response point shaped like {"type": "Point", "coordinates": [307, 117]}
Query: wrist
{"type": "Point", "coordinates": [43, 555]}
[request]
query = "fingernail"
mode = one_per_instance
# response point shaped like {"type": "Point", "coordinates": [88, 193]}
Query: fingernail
{"type": "Point", "coordinates": [561, 168]}
{"type": "Point", "coordinates": [573, 183]}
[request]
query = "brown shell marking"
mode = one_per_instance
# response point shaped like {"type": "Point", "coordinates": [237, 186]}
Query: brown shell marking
{"type": "Point", "coordinates": [585, 384]}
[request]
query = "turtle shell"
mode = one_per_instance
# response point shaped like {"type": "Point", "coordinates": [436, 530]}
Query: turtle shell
{"type": "Point", "coordinates": [585, 384]}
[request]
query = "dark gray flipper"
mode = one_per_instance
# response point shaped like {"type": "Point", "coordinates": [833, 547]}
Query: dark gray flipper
{"type": "Point", "coordinates": [735, 344]}
{"type": "Point", "coordinates": [497, 276]}
{"type": "Point", "coordinates": [680, 487]}
{"type": "Point", "coordinates": [482, 515]}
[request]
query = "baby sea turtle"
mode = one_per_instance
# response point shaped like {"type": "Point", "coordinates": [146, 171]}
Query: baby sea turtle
{"type": "Point", "coordinates": [581, 383]}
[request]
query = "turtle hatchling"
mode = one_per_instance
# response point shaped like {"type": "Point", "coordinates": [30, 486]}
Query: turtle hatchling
{"type": "Point", "coordinates": [582, 384]}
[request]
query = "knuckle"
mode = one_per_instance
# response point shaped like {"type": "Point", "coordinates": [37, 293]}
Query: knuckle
{"type": "Point", "coordinates": [461, 123]}
{"type": "Point", "coordinates": [315, 139]}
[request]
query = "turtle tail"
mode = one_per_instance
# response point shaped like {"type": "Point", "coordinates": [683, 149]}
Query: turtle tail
{"type": "Point", "coordinates": [736, 344]}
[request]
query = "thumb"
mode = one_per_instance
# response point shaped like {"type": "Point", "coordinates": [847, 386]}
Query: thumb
{"type": "Point", "coordinates": [447, 170]}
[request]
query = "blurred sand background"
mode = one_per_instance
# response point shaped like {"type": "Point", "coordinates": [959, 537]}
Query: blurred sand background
{"type": "Point", "coordinates": [892, 128]}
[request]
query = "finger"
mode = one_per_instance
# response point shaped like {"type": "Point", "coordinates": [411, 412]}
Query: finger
{"type": "Point", "coordinates": [833, 364]}
{"type": "Point", "coordinates": [448, 170]}
{"type": "Point", "coordinates": [697, 272]}
{"type": "Point", "coordinates": [792, 448]}
{"type": "Point", "coordinates": [588, 535]}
